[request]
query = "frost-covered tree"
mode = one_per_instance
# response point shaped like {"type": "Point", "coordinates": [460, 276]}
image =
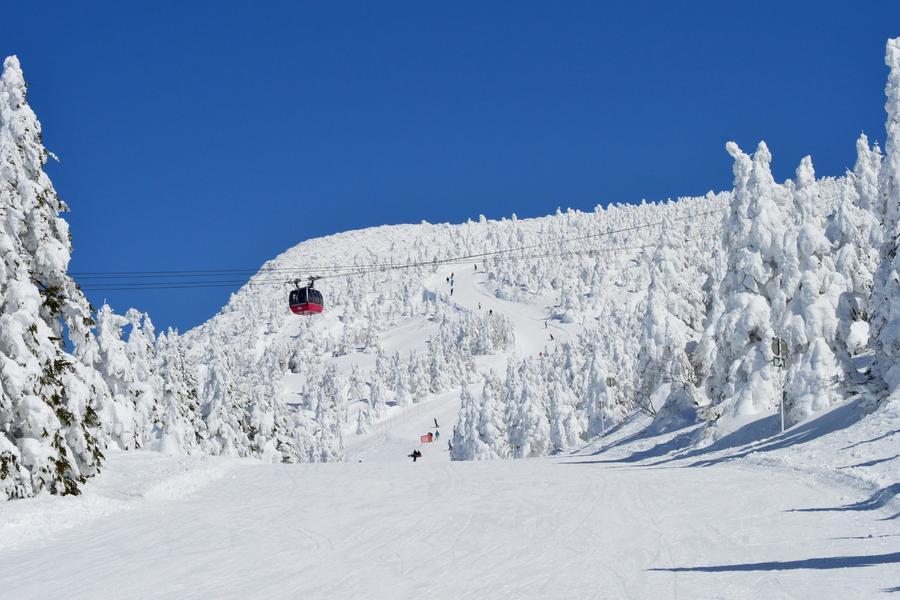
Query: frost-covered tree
{"type": "Point", "coordinates": [377, 400]}
{"type": "Point", "coordinates": [597, 402]}
{"type": "Point", "coordinates": [119, 417]}
{"type": "Point", "coordinates": [224, 409]}
{"type": "Point", "coordinates": [49, 401]}
{"type": "Point", "coordinates": [418, 378]}
{"type": "Point", "coordinates": [672, 318]}
{"type": "Point", "coordinates": [329, 420]}
{"type": "Point", "coordinates": [400, 378]}
{"type": "Point", "coordinates": [466, 442]}
{"type": "Point", "coordinates": [529, 434]}
{"type": "Point", "coordinates": [854, 230]}
{"type": "Point", "coordinates": [491, 428]}
{"type": "Point", "coordinates": [147, 383]}
{"type": "Point", "coordinates": [809, 323]}
{"type": "Point", "coordinates": [886, 298]}
{"type": "Point", "coordinates": [182, 429]}
{"type": "Point", "coordinates": [741, 381]}
{"type": "Point", "coordinates": [565, 430]}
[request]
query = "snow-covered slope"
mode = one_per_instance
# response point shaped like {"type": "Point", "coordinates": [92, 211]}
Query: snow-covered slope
{"type": "Point", "coordinates": [581, 526]}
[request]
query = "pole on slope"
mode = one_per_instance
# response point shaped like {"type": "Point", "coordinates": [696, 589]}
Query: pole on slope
{"type": "Point", "coordinates": [779, 360]}
{"type": "Point", "coordinates": [610, 383]}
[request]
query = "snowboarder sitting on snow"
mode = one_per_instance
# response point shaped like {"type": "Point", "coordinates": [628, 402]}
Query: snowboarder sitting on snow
{"type": "Point", "coordinates": [415, 454]}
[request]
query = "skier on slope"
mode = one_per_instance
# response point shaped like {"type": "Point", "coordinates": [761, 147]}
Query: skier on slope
{"type": "Point", "coordinates": [415, 454]}
{"type": "Point", "coordinates": [435, 422]}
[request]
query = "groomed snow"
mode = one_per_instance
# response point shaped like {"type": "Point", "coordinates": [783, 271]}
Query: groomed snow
{"type": "Point", "coordinates": [562, 527]}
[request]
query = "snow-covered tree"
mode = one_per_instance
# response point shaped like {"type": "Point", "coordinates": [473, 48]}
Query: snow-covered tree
{"type": "Point", "coordinates": [742, 381]}
{"type": "Point", "coordinates": [49, 401]}
{"type": "Point", "coordinates": [886, 297]}
{"type": "Point", "coordinates": [466, 442]}
{"type": "Point", "coordinates": [672, 318]}
{"type": "Point", "coordinates": [565, 430]}
{"type": "Point", "coordinates": [147, 384]}
{"type": "Point", "coordinates": [119, 417]}
{"type": "Point", "coordinates": [529, 434]}
{"type": "Point", "coordinates": [182, 429]}
{"type": "Point", "coordinates": [597, 411]}
{"type": "Point", "coordinates": [224, 409]}
{"type": "Point", "coordinates": [809, 323]}
{"type": "Point", "coordinates": [491, 428]}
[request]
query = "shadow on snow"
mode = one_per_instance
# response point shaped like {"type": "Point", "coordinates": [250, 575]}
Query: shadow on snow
{"type": "Point", "coordinates": [830, 562]}
{"type": "Point", "coordinates": [877, 500]}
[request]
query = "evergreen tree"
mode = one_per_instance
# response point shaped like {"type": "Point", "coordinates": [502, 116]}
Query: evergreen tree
{"type": "Point", "coordinates": [111, 360]}
{"type": "Point", "coordinates": [183, 429]}
{"type": "Point", "coordinates": [671, 319]}
{"type": "Point", "coordinates": [224, 409]}
{"type": "Point", "coordinates": [742, 381]}
{"type": "Point", "coordinates": [49, 401]}
{"type": "Point", "coordinates": [810, 321]}
{"type": "Point", "coordinates": [147, 382]}
{"type": "Point", "coordinates": [491, 428]}
{"type": "Point", "coordinates": [886, 313]}
{"type": "Point", "coordinates": [564, 427]}
{"type": "Point", "coordinates": [598, 401]}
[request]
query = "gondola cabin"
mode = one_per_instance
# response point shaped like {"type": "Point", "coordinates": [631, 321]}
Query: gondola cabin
{"type": "Point", "coordinates": [306, 301]}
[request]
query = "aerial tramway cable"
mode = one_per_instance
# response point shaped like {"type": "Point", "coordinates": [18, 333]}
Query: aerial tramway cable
{"type": "Point", "coordinates": [197, 278]}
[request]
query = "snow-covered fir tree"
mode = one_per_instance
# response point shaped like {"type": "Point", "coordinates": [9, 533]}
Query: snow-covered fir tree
{"type": "Point", "coordinates": [672, 318]}
{"type": "Point", "coordinates": [742, 381]}
{"type": "Point", "coordinates": [50, 430]}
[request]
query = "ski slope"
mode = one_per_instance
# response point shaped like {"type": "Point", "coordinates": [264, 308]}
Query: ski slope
{"type": "Point", "coordinates": [564, 527]}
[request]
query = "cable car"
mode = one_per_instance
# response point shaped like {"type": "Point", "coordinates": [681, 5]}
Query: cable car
{"type": "Point", "coordinates": [306, 300]}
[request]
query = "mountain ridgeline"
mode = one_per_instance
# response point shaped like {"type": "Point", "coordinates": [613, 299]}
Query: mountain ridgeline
{"type": "Point", "coordinates": [666, 309]}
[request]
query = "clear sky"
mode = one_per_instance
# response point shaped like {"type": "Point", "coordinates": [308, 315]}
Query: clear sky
{"type": "Point", "coordinates": [211, 135]}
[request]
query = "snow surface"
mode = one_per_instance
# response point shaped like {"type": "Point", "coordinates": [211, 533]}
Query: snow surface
{"type": "Point", "coordinates": [585, 525]}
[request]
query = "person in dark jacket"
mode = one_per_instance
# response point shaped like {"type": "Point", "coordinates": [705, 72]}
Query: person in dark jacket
{"type": "Point", "coordinates": [415, 454]}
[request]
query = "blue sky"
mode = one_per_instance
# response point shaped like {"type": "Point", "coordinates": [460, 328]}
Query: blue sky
{"type": "Point", "coordinates": [216, 135]}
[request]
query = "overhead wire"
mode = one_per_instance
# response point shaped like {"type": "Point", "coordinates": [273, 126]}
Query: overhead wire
{"type": "Point", "coordinates": [330, 271]}
{"type": "Point", "coordinates": [358, 270]}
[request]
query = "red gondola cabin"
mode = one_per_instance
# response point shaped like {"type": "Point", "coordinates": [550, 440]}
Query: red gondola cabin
{"type": "Point", "coordinates": [306, 301]}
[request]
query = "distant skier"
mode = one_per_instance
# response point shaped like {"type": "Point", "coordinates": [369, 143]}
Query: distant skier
{"type": "Point", "coordinates": [449, 446]}
{"type": "Point", "coordinates": [415, 454]}
{"type": "Point", "coordinates": [435, 422]}
{"type": "Point", "coordinates": [551, 337]}
{"type": "Point", "coordinates": [476, 266]}
{"type": "Point", "coordinates": [491, 311]}
{"type": "Point", "coordinates": [437, 434]}
{"type": "Point", "coordinates": [451, 291]}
